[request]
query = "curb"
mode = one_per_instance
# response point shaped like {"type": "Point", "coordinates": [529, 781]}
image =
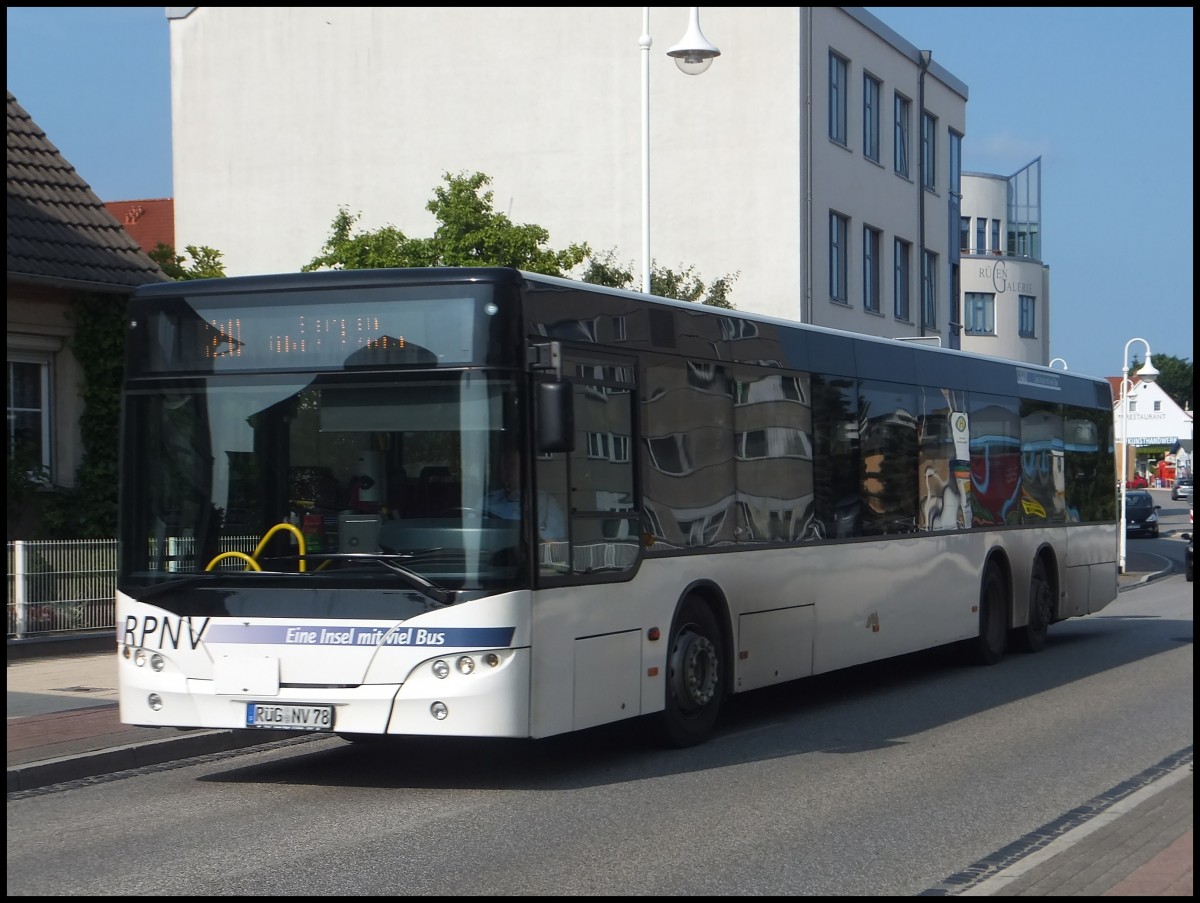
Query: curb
{"type": "Point", "coordinates": [71, 644]}
{"type": "Point", "coordinates": [34, 775]}
{"type": "Point", "coordinates": [1165, 569]}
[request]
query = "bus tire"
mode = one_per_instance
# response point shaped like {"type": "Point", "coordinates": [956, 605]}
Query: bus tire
{"type": "Point", "coordinates": [1032, 637]}
{"type": "Point", "coordinates": [989, 646]}
{"type": "Point", "coordinates": [695, 683]}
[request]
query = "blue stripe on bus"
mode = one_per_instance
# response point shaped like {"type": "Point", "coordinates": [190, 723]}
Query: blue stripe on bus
{"type": "Point", "coordinates": [341, 635]}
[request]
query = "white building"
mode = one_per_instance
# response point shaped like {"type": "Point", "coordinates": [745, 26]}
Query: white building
{"type": "Point", "coordinates": [1005, 285]}
{"type": "Point", "coordinates": [1154, 421]}
{"type": "Point", "coordinates": [819, 158]}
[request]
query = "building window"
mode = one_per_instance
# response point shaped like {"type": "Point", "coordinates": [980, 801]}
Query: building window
{"type": "Point", "coordinates": [871, 246]}
{"type": "Point", "coordinates": [608, 447]}
{"type": "Point", "coordinates": [902, 251]}
{"type": "Point", "coordinates": [980, 234]}
{"type": "Point", "coordinates": [29, 417]}
{"type": "Point", "coordinates": [996, 237]}
{"type": "Point", "coordinates": [929, 290]}
{"type": "Point", "coordinates": [929, 151]}
{"type": "Point", "coordinates": [872, 92]}
{"type": "Point", "coordinates": [964, 234]}
{"type": "Point", "coordinates": [839, 248]}
{"type": "Point", "coordinates": [838, 88]}
{"type": "Point", "coordinates": [979, 313]}
{"type": "Point", "coordinates": [900, 141]}
{"type": "Point", "coordinates": [954, 292]}
{"type": "Point", "coordinates": [671, 454]}
{"type": "Point", "coordinates": [955, 163]}
{"type": "Point", "coordinates": [1157, 407]}
{"type": "Point", "coordinates": [1028, 317]}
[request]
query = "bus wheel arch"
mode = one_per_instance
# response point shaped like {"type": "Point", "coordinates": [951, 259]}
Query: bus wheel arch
{"type": "Point", "coordinates": [1043, 593]}
{"type": "Point", "coordinates": [995, 607]}
{"type": "Point", "coordinates": [697, 667]}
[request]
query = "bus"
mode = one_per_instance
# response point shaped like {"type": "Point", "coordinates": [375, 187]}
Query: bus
{"type": "Point", "coordinates": [705, 502]}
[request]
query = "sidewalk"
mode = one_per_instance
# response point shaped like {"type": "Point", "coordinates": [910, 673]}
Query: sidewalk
{"type": "Point", "coordinates": [63, 726]}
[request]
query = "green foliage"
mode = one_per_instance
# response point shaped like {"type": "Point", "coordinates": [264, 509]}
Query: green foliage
{"type": "Point", "coordinates": [343, 250]}
{"type": "Point", "coordinates": [205, 262]}
{"type": "Point", "coordinates": [469, 233]}
{"type": "Point", "coordinates": [89, 510]}
{"type": "Point", "coordinates": [26, 477]}
{"type": "Point", "coordinates": [682, 286]}
{"type": "Point", "coordinates": [1174, 376]}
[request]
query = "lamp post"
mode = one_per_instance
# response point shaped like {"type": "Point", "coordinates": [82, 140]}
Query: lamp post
{"type": "Point", "coordinates": [693, 55]}
{"type": "Point", "coordinates": [1059, 360]}
{"type": "Point", "coordinates": [1148, 374]}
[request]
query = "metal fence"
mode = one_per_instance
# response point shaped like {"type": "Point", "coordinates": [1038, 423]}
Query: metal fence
{"type": "Point", "coordinates": [70, 586]}
{"type": "Point", "coordinates": [61, 586]}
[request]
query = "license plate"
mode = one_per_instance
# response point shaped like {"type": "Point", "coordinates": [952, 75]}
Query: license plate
{"type": "Point", "coordinates": [289, 717]}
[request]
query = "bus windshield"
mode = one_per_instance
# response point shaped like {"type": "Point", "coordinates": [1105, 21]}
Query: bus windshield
{"type": "Point", "coordinates": [337, 478]}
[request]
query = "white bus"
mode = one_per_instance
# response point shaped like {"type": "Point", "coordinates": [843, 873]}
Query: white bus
{"type": "Point", "coordinates": [708, 502]}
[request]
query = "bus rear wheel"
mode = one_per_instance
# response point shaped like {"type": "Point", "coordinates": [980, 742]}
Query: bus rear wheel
{"type": "Point", "coordinates": [1032, 637]}
{"type": "Point", "coordinates": [694, 679]}
{"type": "Point", "coordinates": [992, 641]}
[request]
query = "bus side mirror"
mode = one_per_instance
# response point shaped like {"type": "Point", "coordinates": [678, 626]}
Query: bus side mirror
{"type": "Point", "coordinates": [554, 413]}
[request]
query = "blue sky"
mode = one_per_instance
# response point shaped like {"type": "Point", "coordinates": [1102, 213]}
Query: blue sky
{"type": "Point", "coordinates": [1103, 96]}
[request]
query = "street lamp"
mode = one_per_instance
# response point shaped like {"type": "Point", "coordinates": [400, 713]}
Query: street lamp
{"type": "Point", "coordinates": [693, 55]}
{"type": "Point", "coordinates": [1148, 374]}
{"type": "Point", "coordinates": [1059, 360]}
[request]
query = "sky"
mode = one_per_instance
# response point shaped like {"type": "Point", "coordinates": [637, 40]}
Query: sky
{"type": "Point", "coordinates": [1103, 96]}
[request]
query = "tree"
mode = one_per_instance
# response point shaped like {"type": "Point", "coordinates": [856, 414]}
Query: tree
{"type": "Point", "coordinates": [682, 286]}
{"type": "Point", "coordinates": [471, 233]}
{"type": "Point", "coordinates": [206, 262]}
{"type": "Point", "coordinates": [1174, 376]}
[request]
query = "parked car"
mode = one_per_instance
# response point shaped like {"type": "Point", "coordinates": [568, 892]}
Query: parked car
{"type": "Point", "coordinates": [1141, 514]}
{"type": "Point", "coordinates": [1182, 490]}
{"type": "Point", "coordinates": [1137, 481]}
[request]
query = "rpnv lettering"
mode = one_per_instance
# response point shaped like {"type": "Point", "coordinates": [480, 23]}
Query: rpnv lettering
{"type": "Point", "coordinates": [151, 632]}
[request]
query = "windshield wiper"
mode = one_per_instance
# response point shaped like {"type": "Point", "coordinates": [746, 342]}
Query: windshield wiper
{"type": "Point", "coordinates": [393, 563]}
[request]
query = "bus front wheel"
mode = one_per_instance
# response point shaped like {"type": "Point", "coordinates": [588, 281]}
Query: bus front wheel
{"type": "Point", "coordinates": [694, 678]}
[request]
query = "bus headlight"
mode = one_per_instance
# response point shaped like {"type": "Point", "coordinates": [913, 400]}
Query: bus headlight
{"type": "Point", "coordinates": [465, 664]}
{"type": "Point", "coordinates": [440, 670]}
{"type": "Point", "coordinates": [439, 711]}
{"type": "Point", "coordinates": [154, 701]}
{"type": "Point", "coordinates": [157, 662]}
{"type": "Point", "coordinates": [139, 658]}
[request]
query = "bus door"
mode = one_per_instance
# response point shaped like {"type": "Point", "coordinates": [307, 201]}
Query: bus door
{"type": "Point", "coordinates": [594, 483]}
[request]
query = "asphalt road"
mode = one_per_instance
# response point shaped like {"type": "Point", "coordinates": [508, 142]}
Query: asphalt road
{"type": "Point", "coordinates": [890, 779]}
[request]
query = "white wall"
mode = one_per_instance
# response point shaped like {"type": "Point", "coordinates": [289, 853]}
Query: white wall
{"type": "Point", "coordinates": [283, 114]}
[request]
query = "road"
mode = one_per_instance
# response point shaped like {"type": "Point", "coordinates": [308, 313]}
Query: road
{"type": "Point", "coordinates": [882, 780]}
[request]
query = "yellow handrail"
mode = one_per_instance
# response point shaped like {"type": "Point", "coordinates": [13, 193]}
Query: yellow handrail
{"type": "Point", "coordinates": [275, 529]}
{"type": "Point", "coordinates": [252, 560]}
{"type": "Point", "coordinates": [253, 565]}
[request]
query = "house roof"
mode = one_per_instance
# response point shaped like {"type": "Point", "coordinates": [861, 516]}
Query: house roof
{"type": "Point", "coordinates": [58, 230]}
{"type": "Point", "coordinates": [151, 221]}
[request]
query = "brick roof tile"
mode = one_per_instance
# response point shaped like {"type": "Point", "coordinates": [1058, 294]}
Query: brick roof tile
{"type": "Point", "coordinates": [57, 227]}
